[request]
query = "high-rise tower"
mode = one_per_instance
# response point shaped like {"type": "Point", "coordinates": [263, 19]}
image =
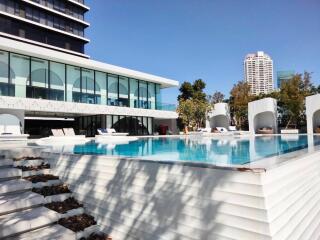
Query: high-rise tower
{"type": "Point", "coordinates": [55, 24]}
{"type": "Point", "coordinates": [258, 72]}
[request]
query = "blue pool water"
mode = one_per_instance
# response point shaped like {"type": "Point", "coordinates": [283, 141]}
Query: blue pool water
{"type": "Point", "coordinates": [229, 150]}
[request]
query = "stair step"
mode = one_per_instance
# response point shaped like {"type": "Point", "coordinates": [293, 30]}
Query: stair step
{"type": "Point", "coordinates": [20, 222]}
{"type": "Point", "coordinates": [8, 173]}
{"type": "Point", "coordinates": [39, 172]}
{"type": "Point", "coordinates": [15, 202]}
{"type": "Point", "coordinates": [6, 162]}
{"type": "Point", "coordinates": [56, 232]}
{"type": "Point", "coordinates": [15, 185]}
{"type": "Point", "coordinates": [28, 162]}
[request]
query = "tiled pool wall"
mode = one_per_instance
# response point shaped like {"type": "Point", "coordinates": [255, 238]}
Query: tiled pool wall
{"type": "Point", "coordinates": [149, 200]}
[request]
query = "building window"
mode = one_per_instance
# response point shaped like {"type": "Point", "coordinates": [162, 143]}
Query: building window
{"type": "Point", "coordinates": [6, 88]}
{"type": "Point", "coordinates": [113, 87]}
{"type": "Point", "coordinates": [38, 82]}
{"type": "Point", "coordinates": [57, 81]}
{"type": "Point", "coordinates": [123, 92]}
{"type": "Point", "coordinates": [87, 86]}
{"type": "Point", "coordinates": [101, 92]}
{"type": "Point", "coordinates": [20, 66]}
{"type": "Point", "coordinates": [73, 84]}
{"type": "Point", "coordinates": [143, 94]}
{"type": "Point", "coordinates": [134, 93]}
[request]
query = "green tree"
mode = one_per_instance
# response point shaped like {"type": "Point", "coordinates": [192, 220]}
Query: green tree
{"type": "Point", "coordinates": [186, 110]}
{"type": "Point", "coordinates": [292, 100]}
{"type": "Point", "coordinates": [239, 99]}
{"type": "Point", "coordinates": [193, 104]}
{"type": "Point", "coordinates": [217, 97]}
{"type": "Point", "coordinates": [186, 91]}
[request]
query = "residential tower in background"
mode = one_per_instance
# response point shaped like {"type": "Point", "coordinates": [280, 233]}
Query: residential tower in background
{"type": "Point", "coordinates": [258, 72]}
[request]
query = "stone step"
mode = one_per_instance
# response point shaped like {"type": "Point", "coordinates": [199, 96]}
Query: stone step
{"type": "Point", "coordinates": [24, 221]}
{"type": "Point", "coordinates": [9, 173]}
{"type": "Point", "coordinates": [6, 163]}
{"type": "Point", "coordinates": [15, 185]}
{"type": "Point", "coordinates": [56, 232]}
{"type": "Point", "coordinates": [28, 163]}
{"type": "Point", "coordinates": [19, 201]}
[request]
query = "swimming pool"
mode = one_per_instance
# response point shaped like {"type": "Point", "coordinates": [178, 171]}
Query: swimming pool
{"type": "Point", "coordinates": [225, 150]}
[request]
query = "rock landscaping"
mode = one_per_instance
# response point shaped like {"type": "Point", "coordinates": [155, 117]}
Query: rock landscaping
{"type": "Point", "coordinates": [41, 178]}
{"type": "Point", "coordinates": [27, 158]}
{"type": "Point", "coordinates": [77, 223]}
{"type": "Point", "coordinates": [97, 236]}
{"type": "Point", "coordinates": [34, 168]}
{"type": "Point", "coordinates": [52, 190]}
{"type": "Point", "coordinates": [65, 206]}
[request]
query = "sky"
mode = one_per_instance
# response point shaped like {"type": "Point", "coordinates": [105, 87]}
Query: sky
{"type": "Point", "coordinates": [186, 40]}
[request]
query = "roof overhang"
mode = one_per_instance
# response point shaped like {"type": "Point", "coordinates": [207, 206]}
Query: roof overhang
{"type": "Point", "coordinates": [49, 54]}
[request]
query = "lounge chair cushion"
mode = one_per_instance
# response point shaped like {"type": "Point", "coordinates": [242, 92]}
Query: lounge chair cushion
{"type": "Point", "coordinates": [57, 132]}
{"type": "Point", "coordinates": [69, 132]}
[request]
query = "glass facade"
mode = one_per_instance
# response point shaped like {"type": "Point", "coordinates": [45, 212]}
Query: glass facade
{"type": "Point", "coordinates": [26, 76]}
{"type": "Point", "coordinates": [130, 124]}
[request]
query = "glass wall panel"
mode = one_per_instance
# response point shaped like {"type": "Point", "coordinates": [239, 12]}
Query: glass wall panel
{"type": "Point", "coordinates": [152, 95]}
{"type": "Point", "coordinates": [158, 97]}
{"type": "Point", "coordinates": [57, 81]}
{"type": "Point", "coordinates": [87, 86]}
{"type": "Point", "coordinates": [143, 95]}
{"type": "Point", "coordinates": [112, 90]}
{"type": "Point", "coordinates": [6, 89]}
{"type": "Point", "coordinates": [145, 125]}
{"type": "Point", "coordinates": [109, 121]}
{"type": "Point", "coordinates": [38, 83]}
{"type": "Point", "coordinates": [115, 120]}
{"type": "Point", "coordinates": [134, 93]}
{"type": "Point", "coordinates": [20, 66]}
{"type": "Point", "coordinates": [73, 84]}
{"type": "Point", "coordinates": [150, 126]}
{"type": "Point", "coordinates": [123, 92]}
{"type": "Point", "coordinates": [101, 88]}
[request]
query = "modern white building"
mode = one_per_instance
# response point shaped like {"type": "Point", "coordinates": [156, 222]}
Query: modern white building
{"type": "Point", "coordinates": [258, 72]}
{"type": "Point", "coordinates": [262, 114]}
{"type": "Point", "coordinates": [47, 81]}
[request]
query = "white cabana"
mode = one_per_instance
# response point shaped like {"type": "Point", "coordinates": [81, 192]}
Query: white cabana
{"type": "Point", "coordinates": [262, 114]}
{"type": "Point", "coordinates": [219, 116]}
{"type": "Point", "coordinates": [313, 113]}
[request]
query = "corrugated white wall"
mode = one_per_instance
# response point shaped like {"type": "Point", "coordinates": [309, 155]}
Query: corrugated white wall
{"type": "Point", "coordinates": [149, 200]}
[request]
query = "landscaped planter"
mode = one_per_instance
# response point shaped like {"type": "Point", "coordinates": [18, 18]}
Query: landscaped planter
{"type": "Point", "coordinates": [97, 236]}
{"type": "Point", "coordinates": [54, 193]}
{"type": "Point", "coordinates": [83, 225]}
{"type": "Point", "coordinates": [34, 168]}
{"type": "Point", "coordinates": [39, 181]}
{"type": "Point", "coordinates": [27, 158]}
{"type": "Point", "coordinates": [41, 178]}
{"type": "Point", "coordinates": [67, 208]}
{"type": "Point", "coordinates": [36, 172]}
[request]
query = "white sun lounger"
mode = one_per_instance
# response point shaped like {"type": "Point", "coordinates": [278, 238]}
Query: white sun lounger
{"type": "Point", "coordinates": [110, 132]}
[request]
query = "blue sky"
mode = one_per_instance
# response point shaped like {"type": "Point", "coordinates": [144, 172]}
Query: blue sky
{"type": "Point", "coordinates": [190, 39]}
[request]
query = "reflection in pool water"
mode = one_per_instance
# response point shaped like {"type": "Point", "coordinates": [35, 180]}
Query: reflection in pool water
{"type": "Point", "coordinates": [201, 149]}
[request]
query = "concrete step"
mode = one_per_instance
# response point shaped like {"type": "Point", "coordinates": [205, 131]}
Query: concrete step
{"type": "Point", "coordinates": [24, 221]}
{"type": "Point", "coordinates": [28, 163]}
{"type": "Point", "coordinates": [9, 173]}
{"type": "Point", "coordinates": [39, 172]}
{"type": "Point", "coordinates": [20, 201]}
{"type": "Point", "coordinates": [6, 163]}
{"type": "Point", "coordinates": [56, 232]}
{"type": "Point", "coordinates": [15, 185]}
